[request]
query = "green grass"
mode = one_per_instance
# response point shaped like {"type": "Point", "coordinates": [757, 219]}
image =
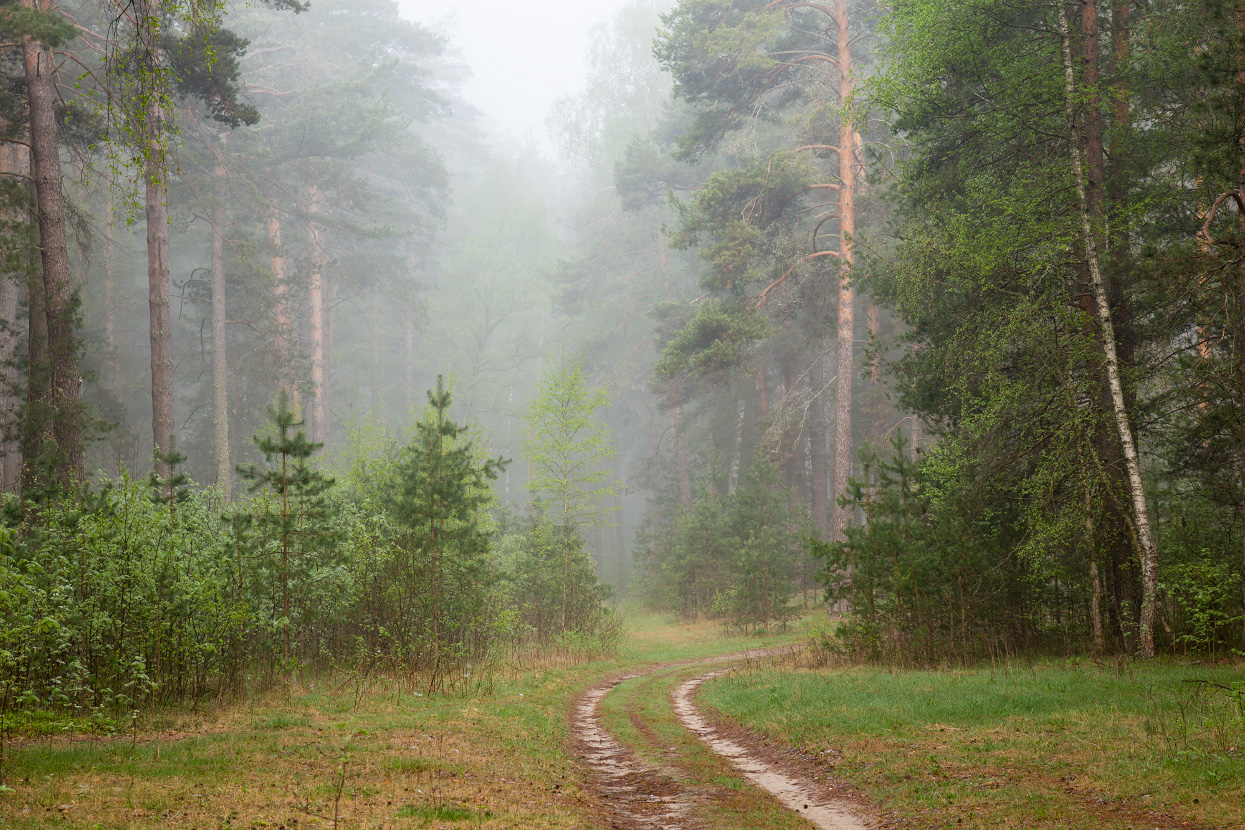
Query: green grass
{"type": "Point", "coordinates": [1022, 746]}
{"type": "Point", "coordinates": [440, 812]}
{"type": "Point", "coordinates": [269, 760]}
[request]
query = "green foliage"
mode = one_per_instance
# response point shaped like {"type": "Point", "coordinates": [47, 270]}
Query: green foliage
{"type": "Point", "coordinates": [294, 527]}
{"type": "Point", "coordinates": [731, 559]}
{"type": "Point", "coordinates": [175, 488]}
{"type": "Point", "coordinates": [440, 501]}
{"type": "Point", "coordinates": [568, 450]}
{"type": "Point", "coordinates": [716, 339]}
{"type": "Point", "coordinates": [927, 572]}
{"type": "Point", "coordinates": [207, 66]}
{"type": "Point", "coordinates": [49, 28]}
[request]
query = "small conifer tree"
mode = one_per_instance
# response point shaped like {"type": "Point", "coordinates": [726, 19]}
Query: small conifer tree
{"type": "Point", "coordinates": [443, 489]}
{"type": "Point", "coordinates": [300, 522]}
{"type": "Point", "coordinates": [174, 488]}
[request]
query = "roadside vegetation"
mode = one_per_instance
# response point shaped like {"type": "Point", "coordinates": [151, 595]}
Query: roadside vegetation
{"type": "Point", "coordinates": [1035, 744]}
{"type": "Point", "coordinates": [117, 602]}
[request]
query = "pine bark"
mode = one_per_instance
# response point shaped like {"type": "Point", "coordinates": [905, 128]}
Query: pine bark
{"type": "Point", "coordinates": [10, 298]}
{"type": "Point", "coordinates": [37, 431]}
{"type": "Point", "coordinates": [220, 354]}
{"type": "Point", "coordinates": [58, 300]}
{"type": "Point", "coordinates": [156, 195]}
{"type": "Point", "coordinates": [847, 301]}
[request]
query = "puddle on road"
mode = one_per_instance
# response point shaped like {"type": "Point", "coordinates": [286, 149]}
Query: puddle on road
{"type": "Point", "coordinates": [792, 793]}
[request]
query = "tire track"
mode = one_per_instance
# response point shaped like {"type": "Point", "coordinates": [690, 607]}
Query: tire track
{"type": "Point", "coordinates": [640, 795]}
{"type": "Point", "coordinates": [785, 785]}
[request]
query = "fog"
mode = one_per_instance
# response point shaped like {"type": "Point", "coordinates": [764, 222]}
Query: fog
{"type": "Point", "coordinates": [522, 56]}
{"type": "Point", "coordinates": [507, 313]}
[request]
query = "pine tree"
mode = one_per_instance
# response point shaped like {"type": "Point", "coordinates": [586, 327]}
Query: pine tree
{"type": "Point", "coordinates": [300, 525]}
{"type": "Point", "coordinates": [443, 489]}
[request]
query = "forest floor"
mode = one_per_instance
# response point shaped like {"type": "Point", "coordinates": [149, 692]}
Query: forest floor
{"type": "Point", "coordinates": [617, 743]}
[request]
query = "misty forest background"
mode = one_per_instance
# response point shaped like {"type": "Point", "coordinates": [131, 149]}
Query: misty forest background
{"type": "Point", "coordinates": [930, 308]}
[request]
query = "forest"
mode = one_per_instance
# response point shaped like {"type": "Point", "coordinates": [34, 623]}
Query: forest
{"type": "Point", "coordinates": [921, 321]}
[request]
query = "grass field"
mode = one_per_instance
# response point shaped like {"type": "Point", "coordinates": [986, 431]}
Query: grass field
{"type": "Point", "coordinates": [380, 756]}
{"type": "Point", "coordinates": [1069, 744]}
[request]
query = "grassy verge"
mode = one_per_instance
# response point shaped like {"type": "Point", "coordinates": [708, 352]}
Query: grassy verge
{"type": "Point", "coordinates": [1053, 745]}
{"type": "Point", "coordinates": [378, 755]}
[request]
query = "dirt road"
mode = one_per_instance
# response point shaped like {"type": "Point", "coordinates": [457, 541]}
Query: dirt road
{"type": "Point", "coordinates": [671, 768]}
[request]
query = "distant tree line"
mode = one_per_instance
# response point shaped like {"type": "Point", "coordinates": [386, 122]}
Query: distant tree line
{"type": "Point", "coordinates": [147, 592]}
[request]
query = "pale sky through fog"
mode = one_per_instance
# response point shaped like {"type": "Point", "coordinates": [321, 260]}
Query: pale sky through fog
{"type": "Point", "coordinates": [523, 54]}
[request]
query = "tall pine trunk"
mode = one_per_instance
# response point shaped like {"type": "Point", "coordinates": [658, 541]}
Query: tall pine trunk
{"type": "Point", "coordinates": [58, 299]}
{"type": "Point", "coordinates": [316, 292]}
{"type": "Point", "coordinates": [818, 460]}
{"type": "Point", "coordinates": [847, 300]}
{"type": "Point", "coordinates": [1240, 284]}
{"type": "Point", "coordinates": [220, 355]}
{"type": "Point", "coordinates": [11, 162]}
{"type": "Point", "coordinates": [283, 333]}
{"type": "Point", "coordinates": [37, 430]}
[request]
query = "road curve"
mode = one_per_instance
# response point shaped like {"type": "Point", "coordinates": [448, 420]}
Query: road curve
{"type": "Point", "coordinates": [639, 795]}
{"type": "Point", "coordinates": [798, 795]}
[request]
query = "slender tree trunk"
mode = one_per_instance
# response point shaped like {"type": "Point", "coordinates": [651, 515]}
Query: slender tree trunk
{"type": "Point", "coordinates": [737, 446]}
{"type": "Point", "coordinates": [10, 406]}
{"type": "Point", "coordinates": [45, 169]}
{"type": "Point", "coordinates": [281, 307]}
{"type": "Point", "coordinates": [374, 357]}
{"type": "Point", "coordinates": [763, 390]}
{"type": "Point", "coordinates": [220, 356]}
{"type": "Point", "coordinates": [1141, 515]}
{"type": "Point", "coordinates": [1114, 219]}
{"type": "Point", "coordinates": [818, 458]}
{"type": "Point", "coordinates": [1095, 581]}
{"type": "Point", "coordinates": [10, 299]}
{"type": "Point", "coordinates": [412, 398]}
{"type": "Point", "coordinates": [877, 426]}
{"type": "Point", "coordinates": [110, 296]}
{"type": "Point", "coordinates": [330, 326]}
{"type": "Point", "coordinates": [791, 444]}
{"type": "Point", "coordinates": [680, 454]}
{"type": "Point", "coordinates": [319, 411]}
{"type": "Point", "coordinates": [156, 152]}
{"type": "Point", "coordinates": [847, 300]}
{"type": "Point", "coordinates": [1240, 285]}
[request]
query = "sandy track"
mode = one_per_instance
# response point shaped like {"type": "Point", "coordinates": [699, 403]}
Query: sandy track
{"type": "Point", "coordinates": [639, 795]}
{"type": "Point", "coordinates": [787, 785]}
